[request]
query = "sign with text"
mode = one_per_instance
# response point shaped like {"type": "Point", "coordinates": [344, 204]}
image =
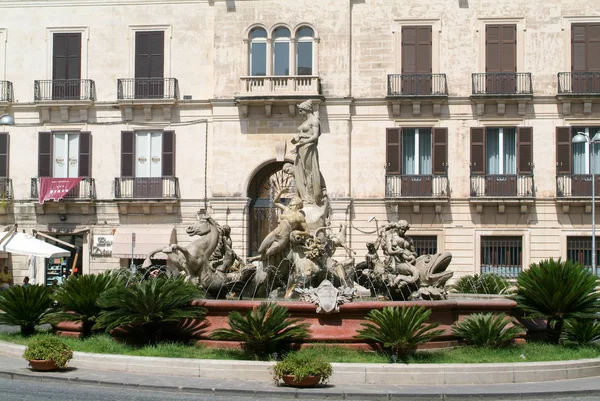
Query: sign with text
{"type": "Point", "coordinates": [102, 245]}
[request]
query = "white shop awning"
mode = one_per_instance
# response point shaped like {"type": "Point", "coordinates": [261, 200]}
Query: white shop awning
{"type": "Point", "coordinates": [25, 244]}
{"type": "Point", "coordinates": [147, 239]}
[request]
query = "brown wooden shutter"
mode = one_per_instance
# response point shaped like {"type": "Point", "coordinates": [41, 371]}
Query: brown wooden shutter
{"type": "Point", "coordinates": [45, 154]}
{"type": "Point", "coordinates": [409, 49]}
{"type": "Point", "coordinates": [394, 151]}
{"type": "Point", "coordinates": [585, 47]}
{"type": "Point", "coordinates": [85, 154]}
{"type": "Point", "coordinates": [149, 54]}
{"type": "Point", "coordinates": [127, 153]}
{"type": "Point", "coordinates": [524, 150]}
{"type": "Point", "coordinates": [168, 154]}
{"type": "Point", "coordinates": [4, 154]}
{"type": "Point", "coordinates": [563, 150]}
{"type": "Point", "coordinates": [500, 48]}
{"type": "Point", "coordinates": [423, 51]}
{"type": "Point", "coordinates": [66, 54]}
{"type": "Point", "coordinates": [440, 150]}
{"type": "Point", "coordinates": [478, 150]}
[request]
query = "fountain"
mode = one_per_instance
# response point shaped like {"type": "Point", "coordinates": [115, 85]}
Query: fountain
{"type": "Point", "coordinates": [296, 265]}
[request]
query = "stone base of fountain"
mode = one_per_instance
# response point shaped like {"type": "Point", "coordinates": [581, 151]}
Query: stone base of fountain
{"type": "Point", "coordinates": [341, 328]}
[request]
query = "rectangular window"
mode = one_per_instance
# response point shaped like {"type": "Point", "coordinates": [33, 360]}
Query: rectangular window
{"type": "Point", "coordinates": [502, 255]}
{"type": "Point", "coordinates": [416, 151]}
{"type": "Point", "coordinates": [501, 151]}
{"type": "Point", "coordinates": [66, 65]}
{"type": "Point", "coordinates": [149, 64]}
{"type": "Point", "coordinates": [147, 154]}
{"type": "Point", "coordinates": [148, 151]}
{"type": "Point", "coordinates": [582, 163]}
{"type": "Point", "coordinates": [281, 58]}
{"type": "Point", "coordinates": [64, 154]}
{"type": "Point", "coordinates": [304, 58]}
{"type": "Point", "coordinates": [579, 250]}
{"type": "Point", "coordinates": [258, 60]}
{"type": "Point", "coordinates": [425, 244]}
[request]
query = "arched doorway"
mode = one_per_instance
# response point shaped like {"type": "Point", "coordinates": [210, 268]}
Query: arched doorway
{"type": "Point", "coordinates": [266, 184]}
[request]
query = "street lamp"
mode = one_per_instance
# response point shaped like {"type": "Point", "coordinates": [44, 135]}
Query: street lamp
{"type": "Point", "coordinates": [6, 119]}
{"type": "Point", "coordinates": [582, 137]}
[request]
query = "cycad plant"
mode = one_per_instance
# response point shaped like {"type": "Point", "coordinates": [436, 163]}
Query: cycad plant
{"type": "Point", "coordinates": [265, 329]}
{"type": "Point", "coordinates": [399, 330]}
{"type": "Point", "coordinates": [148, 305]}
{"type": "Point", "coordinates": [487, 330]}
{"type": "Point", "coordinates": [77, 299]}
{"type": "Point", "coordinates": [580, 331]}
{"type": "Point", "coordinates": [25, 306]}
{"type": "Point", "coordinates": [557, 291]}
{"type": "Point", "coordinates": [489, 283]}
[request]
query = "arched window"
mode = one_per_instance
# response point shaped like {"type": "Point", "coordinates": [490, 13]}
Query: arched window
{"type": "Point", "coordinates": [281, 51]}
{"type": "Point", "coordinates": [304, 51]}
{"type": "Point", "coordinates": [258, 52]}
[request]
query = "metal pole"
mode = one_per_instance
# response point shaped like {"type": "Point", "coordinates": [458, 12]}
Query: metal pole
{"type": "Point", "coordinates": [593, 208]}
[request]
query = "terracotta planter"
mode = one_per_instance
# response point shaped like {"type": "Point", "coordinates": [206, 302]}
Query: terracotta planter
{"type": "Point", "coordinates": [308, 381]}
{"type": "Point", "coordinates": [43, 365]}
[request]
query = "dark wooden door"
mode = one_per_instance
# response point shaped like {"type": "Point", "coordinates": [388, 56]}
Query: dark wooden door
{"type": "Point", "coordinates": [500, 59]}
{"type": "Point", "coordinates": [149, 65]}
{"type": "Point", "coordinates": [66, 66]}
{"type": "Point", "coordinates": [585, 58]}
{"type": "Point", "coordinates": [416, 60]}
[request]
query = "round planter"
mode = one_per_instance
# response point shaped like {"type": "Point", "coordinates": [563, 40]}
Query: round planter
{"type": "Point", "coordinates": [308, 381]}
{"type": "Point", "coordinates": [43, 365]}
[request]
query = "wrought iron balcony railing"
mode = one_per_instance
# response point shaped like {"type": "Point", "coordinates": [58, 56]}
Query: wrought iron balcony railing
{"type": "Point", "coordinates": [6, 91]}
{"type": "Point", "coordinates": [146, 188]}
{"type": "Point", "coordinates": [280, 85]}
{"type": "Point", "coordinates": [417, 85]}
{"type": "Point", "coordinates": [147, 88]}
{"type": "Point", "coordinates": [421, 186]}
{"type": "Point", "coordinates": [502, 186]}
{"type": "Point", "coordinates": [86, 189]}
{"type": "Point", "coordinates": [64, 89]}
{"type": "Point", "coordinates": [6, 191]}
{"type": "Point", "coordinates": [579, 83]}
{"type": "Point", "coordinates": [576, 185]}
{"type": "Point", "coordinates": [502, 83]}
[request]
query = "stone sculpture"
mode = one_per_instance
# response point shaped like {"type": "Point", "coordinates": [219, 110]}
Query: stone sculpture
{"type": "Point", "coordinates": [327, 297]}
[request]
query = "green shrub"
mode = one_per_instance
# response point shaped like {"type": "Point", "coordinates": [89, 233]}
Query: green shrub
{"type": "Point", "coordinates": [49, 348]}
{"type": "Point", "coordinates": [148, 305]}
{"type": "Point", "coordinates": [25, 306]}
{"type": "Point", "coordinates": [399, 330]}
{"type": "Point", "coordinates": [580, 331]}
{"type": "Point", "coordinates": [489, 283]}
{"type": "Point", "coordinates": [265, 329]}
{"type": "Point", "coordinates": [487, 330]}
{"type": "Point", "coordinates": [301, 365]}
{"type": "Point", "coordinates": [77, 299]}
{"type": "Point", "coordinates": [557, 291]}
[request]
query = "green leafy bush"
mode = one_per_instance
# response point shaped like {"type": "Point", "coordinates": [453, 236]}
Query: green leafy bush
{"type": "Point", "coordinates": [25, 306]}
{"type": "Point", "coordinates": [489, 283]}
{"type": "Point", "coordinates": [399, 330]}
{"type": "Point", "coordinates": [148, 305]}
{"type": "Point", "coordinates": [49, 348]}
{"type": "Point", "coordinates": [302, 365]}
{"type": "Point", "coordinates": [487, 330]}
{"type": "Point", "coordinates": [557, 291]}
{"type": "Point", "coordinates": [265, 329]}
{"type": "Point", "coordinates": [580, 331]}
{"type": "Point", "coordinates": [77, 299]}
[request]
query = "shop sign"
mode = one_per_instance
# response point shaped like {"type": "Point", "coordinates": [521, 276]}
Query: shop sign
{"type": "Point", "coordinates": [102, 245]}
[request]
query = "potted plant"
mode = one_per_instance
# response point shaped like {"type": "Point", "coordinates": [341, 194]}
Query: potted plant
{"type": "Point", "coordinates": [47, 353]}
{"type": "Point", "coordinates": [302, 370]}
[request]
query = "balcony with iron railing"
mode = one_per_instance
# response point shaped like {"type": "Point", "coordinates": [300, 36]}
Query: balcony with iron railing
{"type": "Point", "coordinates": [579, 83]}
{"type": "Point", "coordinates": [502, 186]}
{"type": "Point", "coordinates": [84, 191]}
{"type": "Point", "coordinates": [416, 186]}
{"type": "Point", "coordinates": [280, 85]}
{"type": "Point", "coordinates": [166, 89]}
{"type": "Point", "coordinates": [131, 188]}
{"type": "Point", "coordinates": [576, 186]}
{"type": "Point", "coordinates": [6, 91]}
{"type": "Point", "coordinates": [417, 85]}
{"type": "Point", "coordinates": [6, 191]}
{"type": "Point", "coordinates": [64, 89]}
{"type": "Point", "coordinates": [502, 84]}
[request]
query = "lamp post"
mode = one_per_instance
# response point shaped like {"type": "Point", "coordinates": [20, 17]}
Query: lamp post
{"type": "Point", "coordinates": [6, 119]}
{"type": "Point", "coordinates": [582, 137]}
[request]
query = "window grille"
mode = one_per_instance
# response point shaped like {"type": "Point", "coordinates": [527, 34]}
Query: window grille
{"type": "Point", "coordinates": [502, 255]}
{"type": "Point", "coordinates": [579, 250]}
{"type": "Point", "coordinates": [425, 244]}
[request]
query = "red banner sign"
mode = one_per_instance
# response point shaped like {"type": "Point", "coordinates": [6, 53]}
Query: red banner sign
{"type": "Point", "coordinates": [56, 188]}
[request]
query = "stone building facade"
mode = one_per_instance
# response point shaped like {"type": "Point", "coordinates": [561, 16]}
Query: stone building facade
{"type": "Point", "coordinates": [457, 116]}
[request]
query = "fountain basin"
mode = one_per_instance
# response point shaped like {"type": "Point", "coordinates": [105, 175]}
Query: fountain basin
{"type": "Point", "coordinates": [341, 328]}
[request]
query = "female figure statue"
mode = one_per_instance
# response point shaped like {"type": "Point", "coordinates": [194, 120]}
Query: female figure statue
{"type": "Point", "coordinates": [310, 185]}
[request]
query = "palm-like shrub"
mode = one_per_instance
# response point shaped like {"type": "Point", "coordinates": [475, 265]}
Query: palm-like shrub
{"type": "Point", "coordinates": [580, 331]}
{"type": "Point", "coordinates": [487, 330]}
{"type": "Point", "coordinates": [148, 305]}
{"type": "Point", "coordinates": [77, 299]}
{"type": "Point", "coordinates": [265, 329]}
{"type": "Point", "coordinates": [399, 330]}
{"type": "Point", "coordinates": [557, 291]}
{"type": "Point", "coordinates": [489, 283]}
{"type": "Point", "coordinates": [25, 306]}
